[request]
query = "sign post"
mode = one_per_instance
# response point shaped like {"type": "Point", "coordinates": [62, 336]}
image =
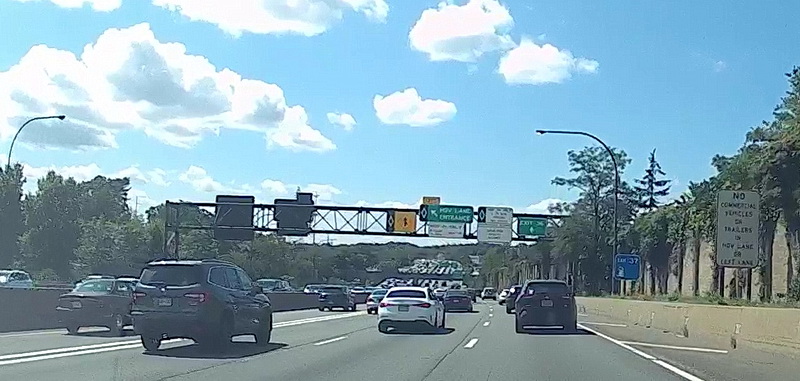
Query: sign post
{"type": "Point", "coordinates": [738, 221]}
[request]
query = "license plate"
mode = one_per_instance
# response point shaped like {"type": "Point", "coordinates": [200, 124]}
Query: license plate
{"type": "Point", "coordinates": [547, 303]}
{"type": "Point", "coordinates": [163, 302]}
{"type": "Point", "coordinates": [402, 308]}
{"type": "Point", "coordinates": [76, 304]}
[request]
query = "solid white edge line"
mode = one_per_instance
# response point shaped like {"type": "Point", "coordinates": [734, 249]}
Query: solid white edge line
{"type": "Point", "coordinates": [69, 354]}
{"type": "Point", "coordinates": [471, 343]}
{"type": "Point", "coordinates": [661, 363]}
{"type": "Point", "coordinates": [615, 341]}
{"type": "Point", "coordinates": [694, 349]}
{"type": "Point", "coordinates": [67, 349]}
{"type": "Point", "coordinates": [605, 324]}
{"type": "Point", "coordinates": [677, 371]}
{"type": "Point", "coordinates": [335, 339]}
{"type": "Point", "coordinates": [486, 324]}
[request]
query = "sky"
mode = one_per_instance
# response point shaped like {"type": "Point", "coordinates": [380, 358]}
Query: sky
{"type": "Point", "coordinates": [382, 102]}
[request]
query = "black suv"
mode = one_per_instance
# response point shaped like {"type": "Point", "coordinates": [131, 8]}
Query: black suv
{"type": "Point", "coordinates": [333, 296]}
{"type": "Point", "coordinates": [207, 300]}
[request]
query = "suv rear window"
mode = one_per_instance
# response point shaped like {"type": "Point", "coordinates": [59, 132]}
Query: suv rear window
{"type": "Point", "coordinates": [171, 275]}
{"type": "Point", "coordinates": [332, 290]}
{"type": "Point", "coordinates": [456, 293]}
{"type": "Point", "coordinates": [407, 294]}
{"type": "Point", "coordinates": [548, 288]}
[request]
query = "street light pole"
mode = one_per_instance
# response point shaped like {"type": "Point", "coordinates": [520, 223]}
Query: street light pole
{"type": "Point", "coordinates": [615, 243]}
{"type": "Point", "coordinates": [11, 147]}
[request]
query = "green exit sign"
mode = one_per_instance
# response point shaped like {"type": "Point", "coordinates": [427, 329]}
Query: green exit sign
{"type": "Point", "coordinates": [531, 226]}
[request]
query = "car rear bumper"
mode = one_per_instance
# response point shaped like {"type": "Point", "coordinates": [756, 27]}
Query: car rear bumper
{"type": "Point", "coordinates": [544, 318]}
{"type": "Point", "coordinates": [458, 307]}
{"type": "Point", "coordinates": [85, 317]}
{"type": "Point", "coordinates": [372, 306]}
{"type": "Point", "coordinates": [395, 317]}
{"type": "Point", "coordinates": [171, 325]}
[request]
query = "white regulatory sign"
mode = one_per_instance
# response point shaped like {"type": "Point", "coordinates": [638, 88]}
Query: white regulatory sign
{"type": "Point", "coordinates": [494, 233]}
{"type": "Point", "coordinates": [737, 228]}
{"type": "Point", "coordinates": [446, 229]}
{"type": "Point", "coordinates": [497, 215]}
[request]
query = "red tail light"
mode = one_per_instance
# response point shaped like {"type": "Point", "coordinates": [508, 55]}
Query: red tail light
{"type": "Point", "coordinates": [385, 304]}
{"type": "Point", "coordinates": [196, 298]}
{"type": "Point", "coordinates": [138, 296]}
{"type": "Point", "coordinates": [423, 305]}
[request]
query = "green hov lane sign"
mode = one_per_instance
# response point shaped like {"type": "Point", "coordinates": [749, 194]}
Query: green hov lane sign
{"type": "Point", "coordinates": [531, 226]}
{"type": "Point", "coordinates": [446, 213]}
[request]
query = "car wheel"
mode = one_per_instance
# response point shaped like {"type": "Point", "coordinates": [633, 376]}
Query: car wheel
{"type": "Point", "coordinates": [150, 343]}
{"type": "Point", "coordinates": [353, 307]}
{"type": "Point", "coordinates": [264, 335]}
{"type": "Point", "coordinates": [117, 325]}
{"type": "Point", "coordinates": [383, 327]}
{"type": "Point", "coordinates": [72, 328]}
{"type": "Point", "coordinates": [509, 310]}
{"type": "Point", "coordinates": [322, 309]}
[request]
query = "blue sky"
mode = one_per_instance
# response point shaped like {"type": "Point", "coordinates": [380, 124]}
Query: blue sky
{"type": "Point", "coordinates": [152, 100]}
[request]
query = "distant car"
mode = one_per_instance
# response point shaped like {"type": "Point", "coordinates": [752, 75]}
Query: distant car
{"type": "Point", "coordinates": [457, 300]}
{"type": "Point", "coordinates": [358, 290]}
{"type": "Point", "coordinates": [473, 294]}
{"type": "Point", "coordinates": [489, 293]}
{"type": "Point", "coordinates": [501, 299]}
{"type": "Point", "coordinates": [312, 288]}
{"type": "Point", "coordinates": [331, 297]}
{"type": "Point", "coordinates": [439, 292]}
{"type": "Point", "coordinates": [206, 300]}
{"type": "Point", "coordinates": [15, 279]}
{"type": "Point", "coordinates": [97, 302]}
{"type": "Point", "coordinates": [374, 299]}
{"type": "Point", "coordinates": [511, 299]}
{"type": "Point", "coordinates": [546, 304]}
{"type": "Point", "coordinates": [409, 306]}
{"type": "Point", "coordinates": [274, 285]}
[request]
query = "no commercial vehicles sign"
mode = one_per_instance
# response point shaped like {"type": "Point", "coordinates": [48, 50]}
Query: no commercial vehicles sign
{"type": "Point", "coordinates": [738, 222]}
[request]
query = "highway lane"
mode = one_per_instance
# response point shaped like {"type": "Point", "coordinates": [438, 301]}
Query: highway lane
{"type": "Point", "coordinates": [22, 342]}
{"type": "Point", "coordinates": [350, 348]}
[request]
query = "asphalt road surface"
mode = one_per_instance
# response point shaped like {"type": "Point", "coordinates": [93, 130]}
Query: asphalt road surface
{"type": "Point", "coordinates": [313, 345]}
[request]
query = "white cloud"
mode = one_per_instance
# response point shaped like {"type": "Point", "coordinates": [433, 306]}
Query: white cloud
{"type": "Point", "coordinates": [323, 192]}
{"type": "Point", "coordinates": [274, 187]}
{"type": "Point", "coordinates": [129, 80]}
{"type": "Point", "coordinates": [303, 17]}
{"type": "Point", "coordinates": [543, 207]}
{"type": "Point", "coordinates": [345, 121]}
{"type": "Point", "coordinates": [407, 107]}
{"type": "Point", "coordinates": [154, 176]}
{"type": "Point", "coordinates": [97, 5]}
{"type": "Point", "coordinates": [532, 64]}
{"type": "Point", "coordinates": [463, 33]}
{"type": "Point", "coordinates": [201, 181]}
{"type": "Point", "coordinates": [77, 172]}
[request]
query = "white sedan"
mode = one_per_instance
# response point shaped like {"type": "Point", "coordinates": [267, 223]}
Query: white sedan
{"type": "Point", "coordinates": [408, 306]}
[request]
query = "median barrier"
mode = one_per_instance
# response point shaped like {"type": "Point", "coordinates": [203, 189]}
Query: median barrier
{"type": "Point", "coordinates": [731, 325]}
{"type": "Point", "coordinates": [33, 309]}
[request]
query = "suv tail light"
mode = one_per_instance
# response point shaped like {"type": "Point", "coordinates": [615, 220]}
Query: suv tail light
{"type": "Point", "coordinates": [423, 305]}
{"type": "Point", "coordinates": [385, 304]}
{"type": "Point", "coordinates": [196, 298]}
{"type": "Point", "coordinates": [137, 296]}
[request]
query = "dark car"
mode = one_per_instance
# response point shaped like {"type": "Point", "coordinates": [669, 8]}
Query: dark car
{"type": "Point", "coordinates": [331, 297]}
{"type": "Point", "coordinates": [97, 302]}
{"type": "Point", "coordinates": [206, 300]}
{"type": "Point", "coordinates": [457, 300]}
{"type": "Point", "coordinates": [513, 293]}
{"type": "Point", "coordinates": [546, 304]}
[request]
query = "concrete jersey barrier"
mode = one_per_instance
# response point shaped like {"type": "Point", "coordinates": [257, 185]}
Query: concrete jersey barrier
{"type": "Point", "coordinates": [731, 325]}
{"type": "Point", "coordinates": [32, 309]}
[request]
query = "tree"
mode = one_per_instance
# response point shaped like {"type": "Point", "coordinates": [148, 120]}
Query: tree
{"type": "Point", "coordinates": [11, 218]}
{"type": "Point", "coordinates": [52, 217]}
{"type": "Point", "coordinates": [111, 247]}
{"type": "Point", "coordinates": [652, 187]}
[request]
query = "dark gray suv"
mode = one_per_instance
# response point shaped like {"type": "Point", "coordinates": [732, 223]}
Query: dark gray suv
{"type": "Point", "coordinates": [206, 300]}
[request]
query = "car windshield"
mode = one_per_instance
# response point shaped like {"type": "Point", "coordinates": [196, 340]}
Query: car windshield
{"type": "Point", "coordinates": [104, 286]}
{"type": "Point", "coordinates": [171, 275]}
{"type": "Point", "coordinates": [379, 292]}
{"type": "Point", "coordinates": [406, 294]}
{"type": "Point", "coordinates": [268, 283]}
